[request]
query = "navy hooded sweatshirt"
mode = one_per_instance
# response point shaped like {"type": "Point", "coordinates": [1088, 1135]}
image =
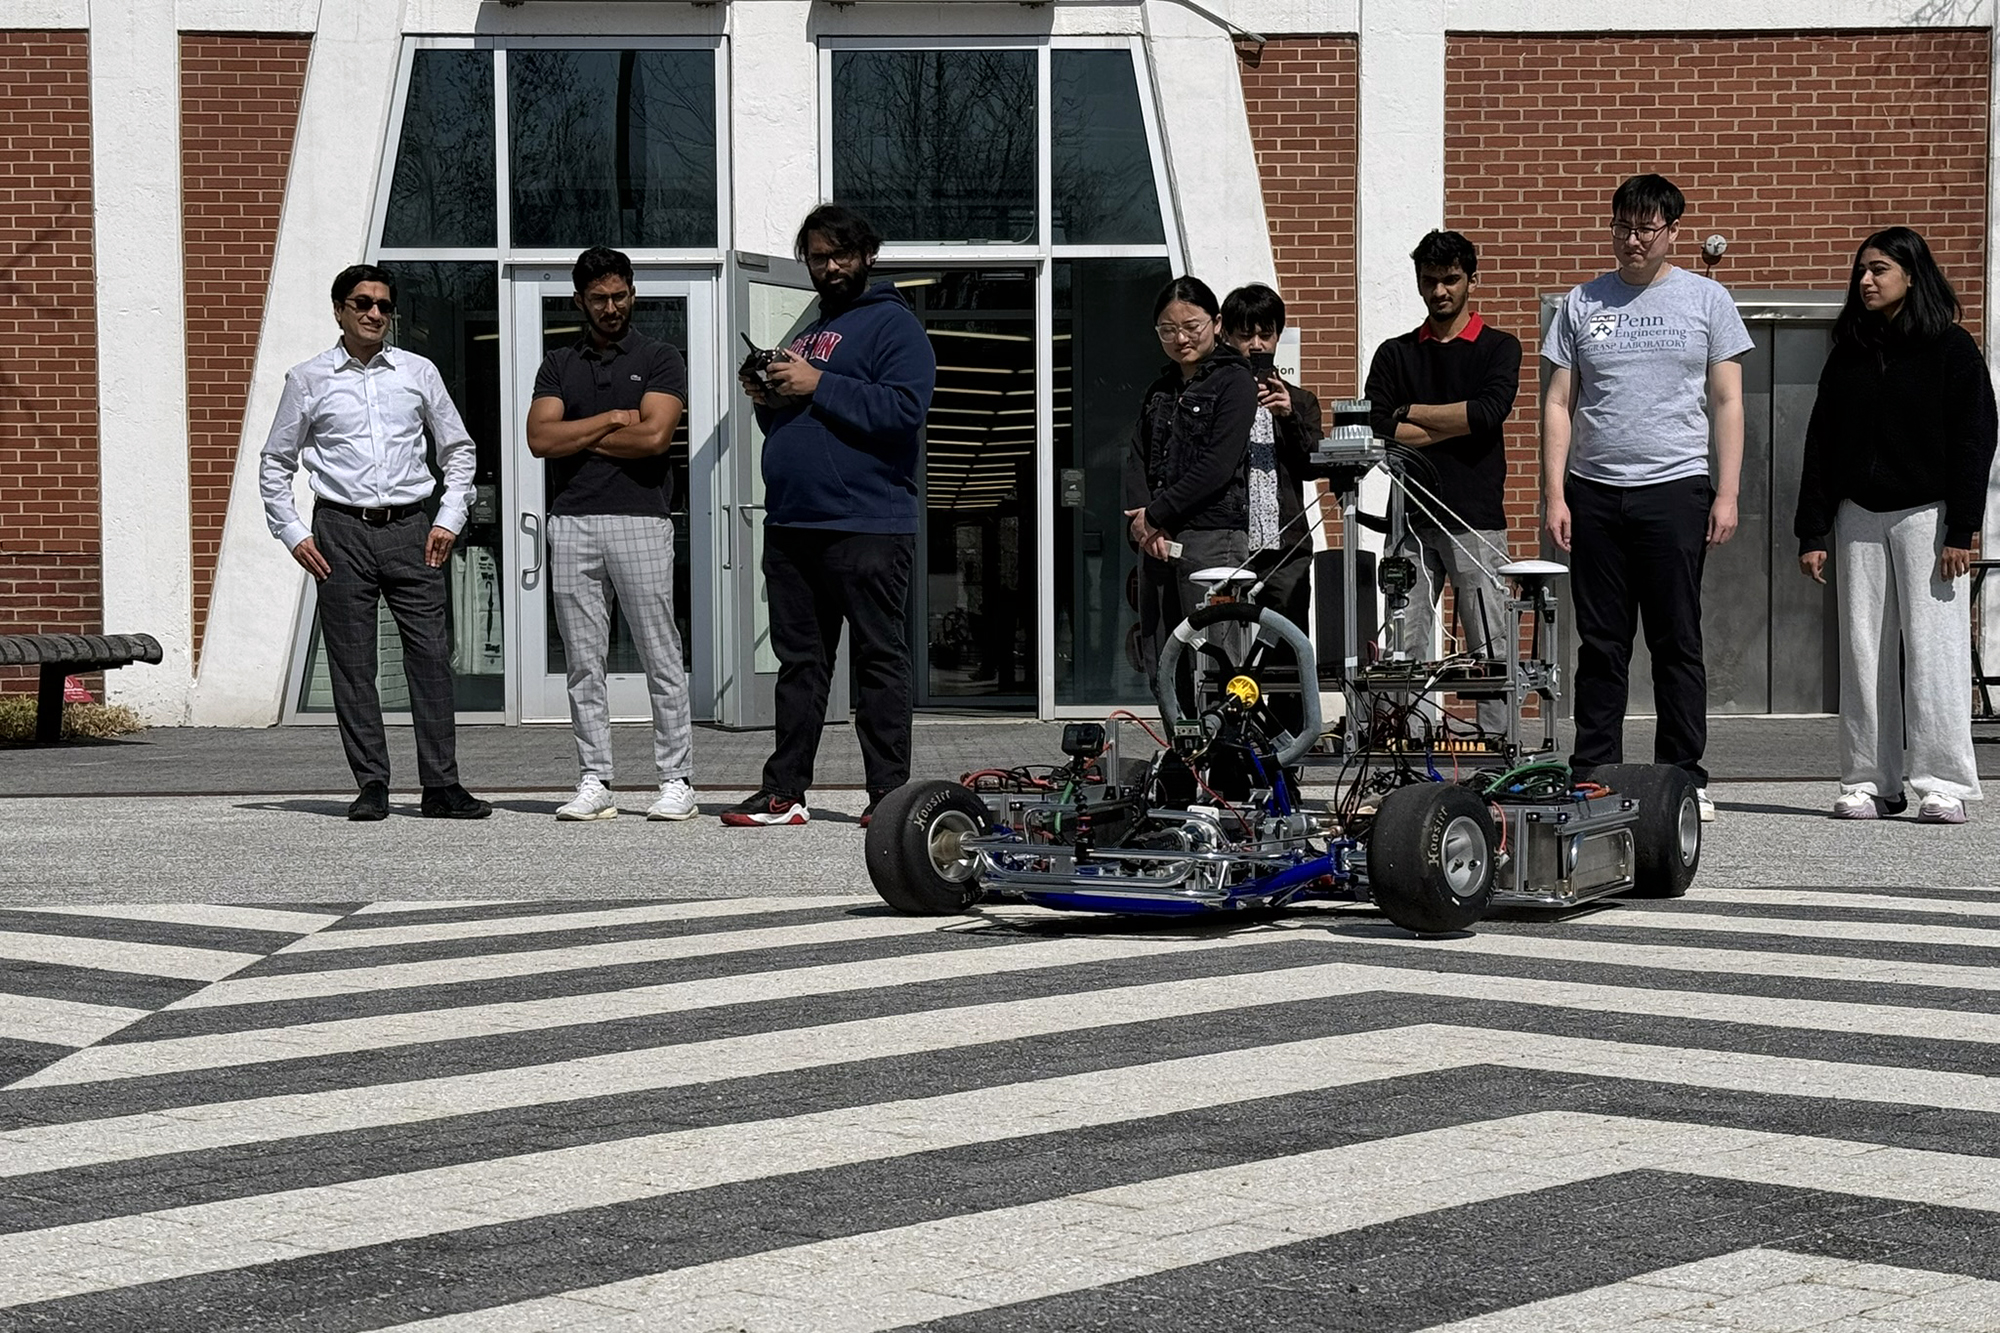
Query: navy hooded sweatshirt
{"type": "Point", "coordinates": [847, 458]}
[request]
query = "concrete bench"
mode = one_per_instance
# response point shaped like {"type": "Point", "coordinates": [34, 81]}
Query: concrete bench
{"type": "Point", "coordinates": [63, 655]}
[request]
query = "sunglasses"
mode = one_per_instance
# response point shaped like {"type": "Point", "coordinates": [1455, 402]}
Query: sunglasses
{"type": "Point", "coordinates": [361, 305]}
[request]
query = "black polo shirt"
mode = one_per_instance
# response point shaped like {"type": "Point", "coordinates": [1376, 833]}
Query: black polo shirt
{"type": "Point", "coordinates": [590, 381]}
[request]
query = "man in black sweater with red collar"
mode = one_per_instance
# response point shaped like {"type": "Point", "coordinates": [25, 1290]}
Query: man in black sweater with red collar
{"type": "Point", "coordinates": [1442, 392]}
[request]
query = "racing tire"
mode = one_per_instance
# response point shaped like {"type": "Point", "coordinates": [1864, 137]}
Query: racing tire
{"type": "Point", "coordinates": [1667, 837]}
{"type": "Point", "coordinates": [1430, 858]}
{"type": "Point", "coordinates": [912, 852]}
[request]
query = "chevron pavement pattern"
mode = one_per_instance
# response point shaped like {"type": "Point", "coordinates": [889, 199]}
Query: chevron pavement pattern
{"type": "Point", "coordinates": [1753, 1108]}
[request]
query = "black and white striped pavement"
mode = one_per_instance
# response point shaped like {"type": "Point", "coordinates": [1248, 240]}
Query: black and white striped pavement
{"type": "Point", "coordinates": [1757, 1109]}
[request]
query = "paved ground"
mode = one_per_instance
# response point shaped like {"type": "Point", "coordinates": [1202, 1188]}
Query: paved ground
{"type": "Point", "coordinates": [515, 1075]}
{"type": "Point", "coordinates": [534, 759]}
{"type": "Point", "coordinates": [1757, 1109]}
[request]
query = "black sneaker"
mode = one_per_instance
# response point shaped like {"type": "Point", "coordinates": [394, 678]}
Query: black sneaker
{"type": "Point", "coordinates": [868, 813]}
{"type": "Point", "coordinates": [453, 802]}
{"type": "Point", "coordinates": [372, 804]}
{"type": "Point", "coordinates": [766, 809]}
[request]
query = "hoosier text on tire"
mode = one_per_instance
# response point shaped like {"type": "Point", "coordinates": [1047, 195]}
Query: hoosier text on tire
{"type": "Point", "coordinates": [914, 852]}
{"type": "Point", "coordinates": [1430, 858]}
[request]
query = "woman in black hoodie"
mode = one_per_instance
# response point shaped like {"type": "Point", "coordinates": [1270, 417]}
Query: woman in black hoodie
{"type": "Point", "coordinates": [1896, 461]}
{"type": "Point", "coordinates": [1186, 479]}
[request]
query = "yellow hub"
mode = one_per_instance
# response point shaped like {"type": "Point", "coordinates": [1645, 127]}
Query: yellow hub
{"type": "Point", "coordinates": [1244, 691]}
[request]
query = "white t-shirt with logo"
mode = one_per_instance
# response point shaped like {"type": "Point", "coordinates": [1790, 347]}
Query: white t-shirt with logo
{"type": "Point", "coordinates": [1639, 358]}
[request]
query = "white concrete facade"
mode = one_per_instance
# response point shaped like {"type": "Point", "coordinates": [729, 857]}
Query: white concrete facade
{"type": "Point", "coordinates": [770, 157]}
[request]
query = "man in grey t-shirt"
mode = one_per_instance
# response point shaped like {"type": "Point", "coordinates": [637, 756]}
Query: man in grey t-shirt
{"type": "Point", "coordinates": [1645, 371]}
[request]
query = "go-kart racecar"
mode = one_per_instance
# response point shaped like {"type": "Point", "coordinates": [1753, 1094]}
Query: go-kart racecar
{"type": "Point", "coordinates": [1434, 821]}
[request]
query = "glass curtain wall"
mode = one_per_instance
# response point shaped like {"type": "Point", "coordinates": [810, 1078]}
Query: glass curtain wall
{"type": "Point", "coordinates": [606, 146]}
{"type": "Point", "coordinates": [944, 150]}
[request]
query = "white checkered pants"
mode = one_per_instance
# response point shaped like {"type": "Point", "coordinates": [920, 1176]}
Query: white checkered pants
{"type": "Point", "coordinates": [590, 557]}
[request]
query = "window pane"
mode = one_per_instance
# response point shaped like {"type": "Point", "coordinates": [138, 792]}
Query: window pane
{"type": "Point", "coordinates": [612, 147]}
{"type": "Point", "coordinates": [1105, 356]}
{"type": "Point", "coordinates": [450, 313]}
{"type": "Point", "coordinates": [442, 193]}
{"type": "Point", "coordinates": [937, 145]}
{"type": "Point", "coordinates": [1099, 159]}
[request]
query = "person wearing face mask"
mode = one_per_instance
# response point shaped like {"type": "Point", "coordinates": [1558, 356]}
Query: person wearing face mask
{"type": "Point", "coordinates": [603, 415]}
{"type": "Point", "coordinates": [1186, 479]}
{"type": "Point", "coordinates": [842, 410]}
{"type": "Point", "coordinates": [1894, 484]}
{"type": "Point", "coordinates": [1282, 437]}
{"type": "Point", "coordinates": [355, 417]}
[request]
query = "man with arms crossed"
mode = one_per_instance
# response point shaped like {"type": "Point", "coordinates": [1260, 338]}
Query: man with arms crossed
{"type": "Point", "coordinates": [355, 417]}
{"type": "Point", "coordinates": [1646, 369]}
{"type": "Point", "coordinates": [604, 412]}
{"type": "Point", "coordinates": [1443, 391]}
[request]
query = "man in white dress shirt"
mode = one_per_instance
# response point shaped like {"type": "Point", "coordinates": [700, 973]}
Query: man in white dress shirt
{"type": "Point", "coordinates": [355, 417]}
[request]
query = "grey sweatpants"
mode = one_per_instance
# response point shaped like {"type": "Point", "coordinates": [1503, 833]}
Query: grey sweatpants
{"type": "Point", "coordinates": [590, 557]}
{"type": "Point", "coordinates": [1890, 593]}
{"type": "Point", "coordinates": [1467, 559]}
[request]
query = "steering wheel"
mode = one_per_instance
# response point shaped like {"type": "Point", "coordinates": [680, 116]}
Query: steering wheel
{"type": "Point", "coordinates": [1268, 629]}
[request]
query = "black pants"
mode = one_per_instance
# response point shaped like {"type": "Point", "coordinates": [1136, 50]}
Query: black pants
{"type": "Point", "coordinates": [1636, 554]}
{"type": "Point", "coordinates": [815, 579]}
{"type": "Point", "coordinates": [372, 565]}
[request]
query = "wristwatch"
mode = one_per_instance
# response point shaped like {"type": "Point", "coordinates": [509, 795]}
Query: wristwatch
{"type": "Point", "coordinates": [1402, 414]}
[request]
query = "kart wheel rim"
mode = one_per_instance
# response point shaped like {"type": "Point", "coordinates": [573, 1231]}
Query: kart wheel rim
{"type": "Point", "coordinates": [1462, 852]}
{"type": "Point", "coordinates": [949, 856]}
{"type": "Point", "coordinates": [1687, 831]}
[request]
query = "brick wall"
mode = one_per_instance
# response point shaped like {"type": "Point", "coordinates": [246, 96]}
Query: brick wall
{"type": "Point", "coordinates": [239, 106]}
{"type": "Point", "coordinates": [49, 550]}
{"type": "Point", "coordinates": [1793, 146]}
{"type": "Point", "coordinates": [1302, 94]}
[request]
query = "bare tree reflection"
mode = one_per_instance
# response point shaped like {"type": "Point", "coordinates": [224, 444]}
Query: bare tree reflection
{"type": "Point", "coordinates": [1100, 163]}
{"type": "Point", "coordinates": [937, 145]}
{"type": "Point", "coordinates": [442, 192]}
{"type": "Point", "coordinates": [612, 147]}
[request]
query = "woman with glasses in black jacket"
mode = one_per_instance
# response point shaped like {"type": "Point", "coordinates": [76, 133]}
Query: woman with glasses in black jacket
{"type": "Point", "coordinates": [1186, 479]}
{"type": "Point", "coordinates": [1894, 487]}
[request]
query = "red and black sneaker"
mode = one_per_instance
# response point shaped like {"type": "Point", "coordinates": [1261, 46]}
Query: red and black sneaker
{"type": "Point", "coordinates": [766, 809]}
{"type": "Point", "coordinates": [868, 812]}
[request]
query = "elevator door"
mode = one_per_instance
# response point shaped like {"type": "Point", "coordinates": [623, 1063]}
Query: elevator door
{"type": "Point", "coordinates": [1767, 630]}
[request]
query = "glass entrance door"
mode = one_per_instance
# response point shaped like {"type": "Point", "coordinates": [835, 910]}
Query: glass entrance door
{"type": "Point", "coordinates": [976, 592]}
{"type": "Point", "coordinates": [770, 300]}
{"type": "Point", "coordinates": [675, 309]}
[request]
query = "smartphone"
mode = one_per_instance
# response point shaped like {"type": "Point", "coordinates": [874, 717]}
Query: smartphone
{"type": "Point", "coordinates": [1264, 365]}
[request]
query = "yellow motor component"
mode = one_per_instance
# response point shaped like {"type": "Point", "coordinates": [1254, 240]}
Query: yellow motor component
{"type": "Point", "coordinates": [1244, 691]}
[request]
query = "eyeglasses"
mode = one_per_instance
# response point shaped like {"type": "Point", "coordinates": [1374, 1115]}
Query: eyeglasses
{"type": "Point", "coordinates": [1647, 235]}
{"type": "Point", "coordinates": [828, 258]}
{"type": "Point", "coordinates": [606, 300]}
{"type": "Point", "coordinates": [361, 305]}
{"type": "Point", "coordinates": [1191, 330]}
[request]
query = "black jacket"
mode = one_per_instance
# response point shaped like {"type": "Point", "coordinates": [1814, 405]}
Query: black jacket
{"type": "Point", "coordinates": [1188, 462]}
{"type": "Point", "coordinates": [1909, 422]}
{"type": "Point", "coordinates": [1297, 436]}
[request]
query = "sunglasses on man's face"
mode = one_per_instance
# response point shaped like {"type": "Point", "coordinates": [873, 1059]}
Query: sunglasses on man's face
{"type": "Point", "coordinates": [361, 305]}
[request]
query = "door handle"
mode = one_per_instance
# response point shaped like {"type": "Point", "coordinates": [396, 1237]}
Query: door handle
{"type": "Point", "coordinates": [531, 575]}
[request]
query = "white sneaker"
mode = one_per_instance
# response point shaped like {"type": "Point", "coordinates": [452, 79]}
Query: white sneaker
{"type": "Point", "coordinates": [592, 801]}
{"type": "Point", "coordinates": [1855, 805]}
{"type": "Point", "coordinates": [1703, 804]}
{"type": "Point", "coordinates": [676, 801]}
{"type": "Point", "coordinates": [1937, 808]}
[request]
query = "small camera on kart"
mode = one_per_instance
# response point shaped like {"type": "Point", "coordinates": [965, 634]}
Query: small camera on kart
{"type": "Point", "coordinates": [1083, 740]}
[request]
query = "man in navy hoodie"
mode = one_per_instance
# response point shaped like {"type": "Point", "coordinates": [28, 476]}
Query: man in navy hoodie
{"type": "Point", "coordinates": [842, 412]}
